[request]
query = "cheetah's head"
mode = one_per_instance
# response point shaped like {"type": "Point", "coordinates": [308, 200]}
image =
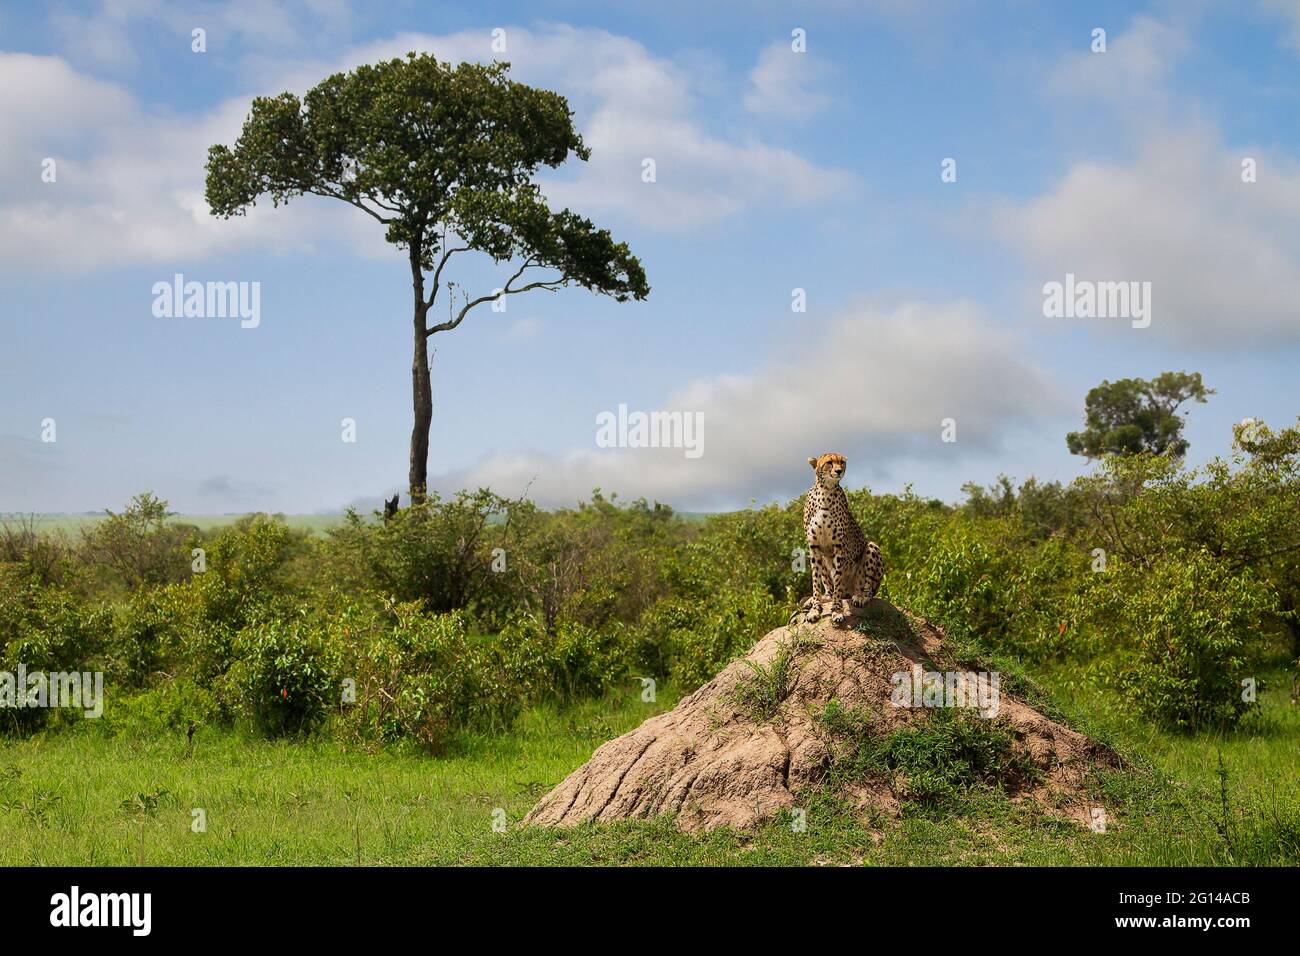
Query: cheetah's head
{"type": "Point", "coordinates": [830, 468]}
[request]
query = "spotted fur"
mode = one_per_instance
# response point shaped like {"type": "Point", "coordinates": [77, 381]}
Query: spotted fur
{"type": "Point", "coordinates": [846, 568]}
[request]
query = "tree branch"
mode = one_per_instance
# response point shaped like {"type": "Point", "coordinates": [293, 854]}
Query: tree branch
{"type": "Point", "coordinates": [437, 274]}
{"type": "Point", "coordinates": [549, 284]}
{"type": "Point", "coordinates": [332, 194]}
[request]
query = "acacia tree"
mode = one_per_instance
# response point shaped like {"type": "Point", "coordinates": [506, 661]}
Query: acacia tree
{"type": "Point", "coordinates": [444, 158]}
{"type": "Point", "coordinates": [1134, 415]}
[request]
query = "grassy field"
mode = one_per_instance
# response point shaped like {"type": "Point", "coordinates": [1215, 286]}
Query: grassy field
{"type": "Point", "coordinates": [72, 524]}
{"type": "Point", "coordinates": [84, 797]}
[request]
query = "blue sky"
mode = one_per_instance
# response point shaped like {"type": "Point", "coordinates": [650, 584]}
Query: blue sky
{"type": "Point", "coordinates": [775, 170]}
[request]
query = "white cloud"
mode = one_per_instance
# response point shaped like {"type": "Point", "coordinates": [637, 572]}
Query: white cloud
{"type": "Point", "coordinates": [98, 38]}
{"type": "Point", "coordinates": [874, 385]}
{"type": "Point", "coordinates": [130, 183]}
{"type": "Point", "coordinates": [1132, 71]}
{"type": "Point", "coordinates": [1222, 255]}
{"type": "Point", "coordinates": [783, 83]}
{"type": "Point", "coordinates": [101, 35]}
{"type": "Point", "coordinates": [631, 106]}
{"type": "Point", "coordinates": [129, 186]}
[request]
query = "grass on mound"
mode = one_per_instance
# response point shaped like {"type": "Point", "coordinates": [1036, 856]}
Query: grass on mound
{"type": "Point", "coordinates": [760, 692]}
{"type": "Point", "coordinates": [936, 762]}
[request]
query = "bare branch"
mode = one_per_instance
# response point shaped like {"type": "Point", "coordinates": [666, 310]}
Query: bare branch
{"type": "Point", "coordinates": [332, 194]}
{"type": "Point", "coordinates": [508, 289]}
{"type": "Point", "coordinates": [437, 275]}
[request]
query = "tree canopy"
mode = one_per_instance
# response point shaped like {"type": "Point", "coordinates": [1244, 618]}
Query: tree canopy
{"type": "Point", "coordinates": [436, 153]}
{"type": "Point", "coordinates": [1133, 415]}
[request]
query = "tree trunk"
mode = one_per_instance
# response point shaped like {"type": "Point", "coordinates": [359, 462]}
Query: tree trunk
{"type": "Point", "coordinates": [421, 390]}
{"type": "Point", "coordinates": [422, 403]}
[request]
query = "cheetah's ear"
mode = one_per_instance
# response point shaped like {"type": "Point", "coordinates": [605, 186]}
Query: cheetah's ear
{"type": "Point", "coordinates": [813, 462]}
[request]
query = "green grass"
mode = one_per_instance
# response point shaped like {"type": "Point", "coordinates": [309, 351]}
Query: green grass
{"type": "Point", "coordinates": [1243, 785]}
{"type": "Point", "coordinates": [267, 802]}
{"type": "Point", "coordinates": [761, 691]}
{"type": "Point", "coordinates": [82, 797]}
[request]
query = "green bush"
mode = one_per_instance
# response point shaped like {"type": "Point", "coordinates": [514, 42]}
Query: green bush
{"type": "Point", "coordinates": [436, 552]}
{"type": "Point", "coordinates": [1177, 639]}
{"type": "Point", "coordinates": [596, 565]}
{"type": "Point", "coordinates": [144, 638]}
{"type": "Point", "coordinates": [168, 708]}
{"type": "Point", "coordinates": [958, 749]}
{"type": "Point", "coordinates": [284, 677]}
{"type": "Point", "coordinates": [422, 677]}
{"type": "Point", "coordinates": [741, 552]}
{"type": "Point", "coordinates": [689, 642]}
{"type": "Point", "coordinates": [139, 546]}
{"type": "Point", "coordinates": [246, 572]}
{"type": "Point", "coordinates": [247, 583]}
{"type": "Point", "coordinates": [574, 663]}
{"type": "Point", "coordinates": [937, 759]}
{"type": "Point", "coordinates": [959, 585]}
{"type": "Point", "coordinates": [45, 629]}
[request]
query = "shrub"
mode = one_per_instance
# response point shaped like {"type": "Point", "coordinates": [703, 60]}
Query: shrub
{"type": "Point", "coordinates": [44, 629]}
{"type": "Point", "coordinates": [144, 638]}
{"type": "Point", "coordinates": [689, 642]}
{"type": "Point", "coordinates": [596, 565]}
{"type": "Point", "coordinates": [46, 557]}
{"type": "Point", "coordinates": [246, 584]}
{"type": "Point", "coordinates": [168, 708]}
{"type": "Point", "coordinates": [283, 677]}
{"type": "Point", "coordinates": [1179, 636]}
{"type": "Point", "coordinates": [436, 552]}
{"type": "Point", "coordinates": [246, 572]}
{"type": "Point", "coordinates": [139, 546]}
{"type": "Point", "coordinates": [422, 677]}
{"type": "Point", "coordinates": [957, 749]}
{"type": "Point", "coordinates": [950, 752]}
{"type": "Point", "coordinates": [742, 552]}
{"type": "Point", "coordinates": [576, 662]}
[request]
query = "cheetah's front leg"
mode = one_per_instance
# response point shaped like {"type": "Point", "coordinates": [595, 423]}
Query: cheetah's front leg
{"type": "Point", "coordinates": [839, 603]}
{"type": "Point", "coordinates": [813, 606]}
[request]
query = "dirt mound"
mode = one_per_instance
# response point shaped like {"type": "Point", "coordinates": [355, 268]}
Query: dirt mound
{"type": "Point", "coordinates": [817, 705]}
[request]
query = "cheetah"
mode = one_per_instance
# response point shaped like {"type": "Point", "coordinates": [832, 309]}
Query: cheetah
{"type": "Point", "coordinates": [846, 567]}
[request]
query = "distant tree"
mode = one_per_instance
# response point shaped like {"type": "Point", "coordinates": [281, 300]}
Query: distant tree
{"type": "Point", "coordinates": [996, 501]}
{"type": "Point", "coordinates": [139, 545]}
{"type": "Point", "coordinates": [1134, 415]}
{"type": "Point", "coordinates": [444, 158]}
